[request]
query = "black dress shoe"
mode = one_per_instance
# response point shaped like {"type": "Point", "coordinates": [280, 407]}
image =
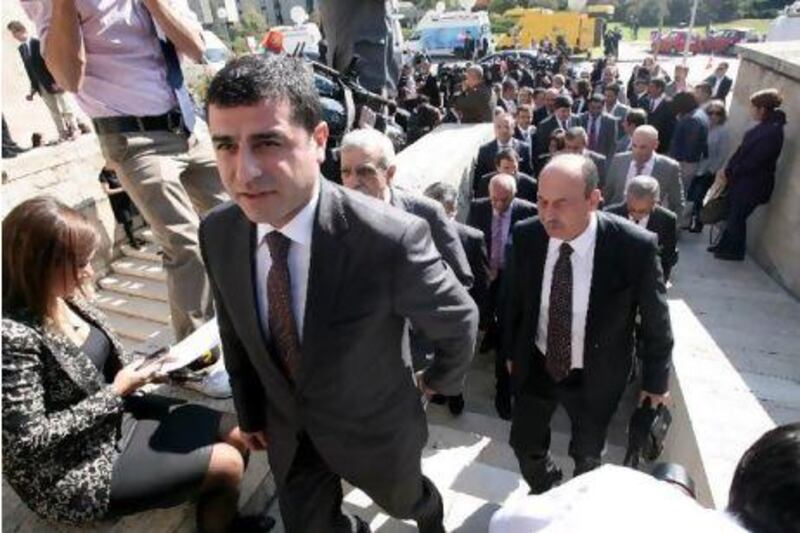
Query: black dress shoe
{"type": "Point", "coordinates": [549, 479]}
{"type": "Point", "coordinates": [696, 226]}
{"type": "Point", "coordinates": [502, 403]}
{"type": "Point", "coordinates": [455, 404]}
{"type": "Point", "coordinates": [439, 399]}
{"type": "Point", "coordinates": [727, 256]}
{"type": "Point", "coordinates": [252, 524]}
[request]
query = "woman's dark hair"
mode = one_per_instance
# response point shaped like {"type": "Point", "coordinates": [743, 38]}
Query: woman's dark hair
{"type": "Point", "coordinates": [766, 485]}
{"type": "Point", "coordinates": [768, 99]}
{"type": "Point", "coordinates": [717, 107]}
{"type": "Point", "coordinates": [684, 102]}
{"type": "Point", "coordinates": [247, 80]}
{"type": "Point", "coordinates": [42, 240]}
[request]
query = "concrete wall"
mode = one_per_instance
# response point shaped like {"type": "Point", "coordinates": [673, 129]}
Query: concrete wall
{"type": "Point", "coordinates": [772, 236]}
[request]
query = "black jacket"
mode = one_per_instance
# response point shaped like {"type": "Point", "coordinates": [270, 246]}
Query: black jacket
{"type": "Point", "coordinates": [475, 247]}
{"type": "Point", "coordinates": [487, 152]}
{"type": "Point", "coordinates": [751, 169]}
{"type": "Point", "coordinates": [664, 224]}
{"type": "Point", "coordinates": [724, 87]}
{"type": "Point", "coordinates": [626, 281]}
{"type": "Point", "coordinates": [480, 216]}
{"type": "Point", "coordinates": [475, 105]}
{"type": "Point", "coordinates": [527, 187]}
{"type": "Point", "coordinates": [38, 74]}
{"type": "Point", "coordinates": [663, 119]}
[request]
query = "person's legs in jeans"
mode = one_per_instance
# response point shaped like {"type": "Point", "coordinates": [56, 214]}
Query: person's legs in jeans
{"type": "Point", "coordinates": [150, 167]}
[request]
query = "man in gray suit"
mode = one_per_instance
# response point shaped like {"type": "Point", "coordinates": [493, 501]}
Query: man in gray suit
{"type": "Point", "coordinates": [600, 127]}
{"type": "Point", "coordinates": [643, 160]}
{"type": "Point", "coordinates": [314, 285]}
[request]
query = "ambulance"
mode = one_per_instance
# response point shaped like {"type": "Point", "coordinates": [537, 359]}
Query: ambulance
{"type": "Point", "coordinates": [442, 34]}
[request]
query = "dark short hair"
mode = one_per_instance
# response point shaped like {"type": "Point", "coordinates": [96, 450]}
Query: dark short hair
{"type": "Point", "coordinates": [636, 116]}
{"type": "Point", "coordinates": [43, 240]}
{"type": "Point", "coordinates": [247, 80]}
{"type": "Point", "coordinates": [16, 26]}
{"type": "Point", "coordinates": [684, 102]}
{"type": "Point", "coordinates": [509, 84]}
{"type": "Point", "coordinates": [506, 153]}
{"type": "Point", "coordinates": [583, 88]}
{"type": "Point", "coordinates": [612, 87]}
{"type": "Point", "coordinates": [562, 101]}
{"type": "Point", "coordinates": [538, 90]}
{"type": "Point", "coordinates": [766, 484]}
{"type": "Point", "coordinates": [659, 83]}
{"type": "Point", "coordinates": [597, 98]}
{"type": "Point", "coordinates": [705, 87]}
{"type": "Point", "coordinates": [525, 107]}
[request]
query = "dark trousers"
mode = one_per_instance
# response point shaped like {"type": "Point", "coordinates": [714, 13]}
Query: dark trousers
{"type": "Point", "coordinates": [697, 191]}
{"type": "Point", "coordinates": [494, 329]}
{"type": "Point", "coordinates": [534, 405]}
{"type": "Point", "coordinates": [310, 498]}
{"type": "Point", "coordinates": [734, 238]}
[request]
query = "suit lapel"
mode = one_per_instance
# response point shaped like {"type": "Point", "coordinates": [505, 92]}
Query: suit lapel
{"type": "Point", "coordinates": [602, 270]}
{"type": "Point", "coordinates": [72, 360]}
{"type": "Point", "coordinates": [328, 262]}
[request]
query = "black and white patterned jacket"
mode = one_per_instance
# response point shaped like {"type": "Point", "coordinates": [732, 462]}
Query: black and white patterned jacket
{"type": "Point", "coordinates": [60, 420]}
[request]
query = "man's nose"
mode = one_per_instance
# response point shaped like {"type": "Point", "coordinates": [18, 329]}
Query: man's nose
{"type": "Point", "coordinates": [246, 166]}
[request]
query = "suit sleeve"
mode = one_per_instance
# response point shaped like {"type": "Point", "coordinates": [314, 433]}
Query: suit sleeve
{"type": "Point", "coordinates": [610, 187]}
{"type": "Point", "coordinates": [445, 237]}
{"type": "Point", "coordinates": [669, 247]}
{"type": "Point", "coordinates": [480, 287]}
{"type": "Point", "coordinates": [510, 299]}
{"type": "Point", "coordinates": [655, 329]}
{"type": "Point", "coordinates": [249, 397]}
{"type": "Point", "coordinates": [674, 190]}
{"type": "Point", "coordinates": [429, 295]}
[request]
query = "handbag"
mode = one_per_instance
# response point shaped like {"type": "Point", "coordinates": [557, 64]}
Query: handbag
{"type": "Point", "coordinates": [647, 430]}
{"type": "Point", "coordinates": [716, 209]}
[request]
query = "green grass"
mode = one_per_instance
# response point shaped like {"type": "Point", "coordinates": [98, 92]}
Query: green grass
{"type": "Point", "coordinates": [760, 25]}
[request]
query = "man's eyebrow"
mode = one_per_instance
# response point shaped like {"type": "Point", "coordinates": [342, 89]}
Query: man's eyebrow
{"type": "Point", "coordinates": [260, 136]}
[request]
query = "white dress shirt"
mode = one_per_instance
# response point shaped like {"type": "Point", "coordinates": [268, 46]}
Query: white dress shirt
{"type": "Point", "coordinates": [647, 170]}
{"type": "Point", "coordinates": [655, 103]}
{"type": "Point", "coordinates": [717, 83]}
{"type": "Point", "coordinates": [582, 260]}
{"type": "Point", "coordinates": [299, 230]}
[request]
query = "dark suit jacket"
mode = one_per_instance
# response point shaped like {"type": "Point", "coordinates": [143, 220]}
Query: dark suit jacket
{"type": "Point", "coordinates": [544, 130]}
{"type": "Point", "coordinates": [474, 245]}
{"type": "Point", "coordinates": [480, 216]}
{"type": "Point", "coordinates": [664, 224]}
{"type": "Point", "coordinates": [724, 87]}
{"type": "Point", "coordinates": [487, 152]}
{"type": "Point", "coordinates": [373, 269]}
{"type": "Point", "coordinates": [539, 115]}
{"type": "Point", "coordinates": [35, 67]}
{"type": "Point", "coordinates": [476, 105]}
{"type": "Point", "coordinates": [443, 231]}
{"type": "Point", "coordinates": [528, 137]}
{"type": "Point", "coordinates": [751, 169]}
{"type": "Point", "coordinates": [690, 138]}
{"type": "Point", "coordinates": [527, 187]}
{"type": "Point", "coordinates": [607, 135]}
{"type": "Point", "coordinates": [663, 119]}
{"type": "Point", "coordinates": [626, 281]}
{"type": "Point", "coordinates": [431, 89]}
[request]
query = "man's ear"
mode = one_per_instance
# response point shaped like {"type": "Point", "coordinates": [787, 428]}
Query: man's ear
{"type": "Point", "coordinates": [320, 136]}
{"type": "Point", "coordinates": [390, 173]}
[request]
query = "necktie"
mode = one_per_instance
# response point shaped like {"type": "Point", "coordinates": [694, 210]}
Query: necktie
{"type": "Point", "coordinates": [592, 134]}
{"type": "Point", "coordinates": [496, 260]}
{"type": "Point", "coordinates": [282, 326]}
{"type": "Point", "coordinates": [639, 168]}
{"type": "Point", "coordinates": [559, 322]}
{"type": "Point", "coordinates": [175, 81]}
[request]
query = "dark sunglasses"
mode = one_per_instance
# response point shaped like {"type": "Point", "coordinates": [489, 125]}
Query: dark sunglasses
{"type": "Point", "coordinates": [718, 113]}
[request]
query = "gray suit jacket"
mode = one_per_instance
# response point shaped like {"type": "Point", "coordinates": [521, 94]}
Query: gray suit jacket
{"type": "Point", "coordinates": [372, 269]}
{"type": "Point", "coordinates": [666, 170]}
{"type": "Point", "coordinates": [618, 112]}
{"type": "Point", "coordinates": [623, 144]}
{"type": "Point", "coordinates": [607, 135]}
{"type": "Point", "coordinates": [443, 231]}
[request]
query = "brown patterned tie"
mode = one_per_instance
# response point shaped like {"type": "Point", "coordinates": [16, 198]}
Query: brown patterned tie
{"type": "Point", "coordinates": [282, 326]}
{"type": "Point", "coordinates": [559, 322]}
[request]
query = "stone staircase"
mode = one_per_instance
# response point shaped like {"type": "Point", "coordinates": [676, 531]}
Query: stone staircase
{"type": "Point", "coordinates": [133, 296]}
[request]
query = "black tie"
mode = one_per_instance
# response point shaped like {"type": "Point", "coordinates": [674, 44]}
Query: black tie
{"type": "Point", "coordinates": [282, 325]}
{"type": "Point", "coordinates": [559, 322]}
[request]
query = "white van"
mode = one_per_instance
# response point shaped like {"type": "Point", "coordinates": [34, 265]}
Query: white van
{"type": "Point", "coordinates": [443, 34]}
{"type": "Point", "coordinates": [306, 35]}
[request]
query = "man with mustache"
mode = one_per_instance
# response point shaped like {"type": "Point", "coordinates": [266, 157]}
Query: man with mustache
{"type": "Point", "coordinates": [575, 281]}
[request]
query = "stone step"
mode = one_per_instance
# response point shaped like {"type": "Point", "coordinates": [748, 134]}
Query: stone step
{"type": "Point", "coordinates": [133, 328]}
{"type": "Point", "coordinates": [135, 286]}
{"type": "Point", "coordinates": [139, 268]}
{"type": "Point", "coordinates": [133, 306]}
{"type": "Point", "coordinates": [147, 252]}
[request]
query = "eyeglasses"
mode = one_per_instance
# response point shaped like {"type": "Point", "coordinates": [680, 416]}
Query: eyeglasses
{"type": "Point", "coordinates": [718, 113]}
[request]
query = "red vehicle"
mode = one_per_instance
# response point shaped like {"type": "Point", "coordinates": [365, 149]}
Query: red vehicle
{"type": "Point", "coordinates": [724, 41]}
{"type": "Point", "coordinates": [674, 42]}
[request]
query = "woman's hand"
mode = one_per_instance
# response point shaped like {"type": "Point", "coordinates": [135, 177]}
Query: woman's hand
{"type": "Point", "coordinates": [134, 376]}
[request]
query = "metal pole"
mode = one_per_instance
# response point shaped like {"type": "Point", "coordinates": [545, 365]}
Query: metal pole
{"type": "Point", "coordinates": [689, 35]}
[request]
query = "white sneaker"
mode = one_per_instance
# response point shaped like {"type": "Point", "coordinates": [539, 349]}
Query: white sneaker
{"type": "Point", "coordinates": [215, 384]}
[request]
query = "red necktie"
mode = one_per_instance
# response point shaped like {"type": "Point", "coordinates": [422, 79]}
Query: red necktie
{"type": "Point", "coordinates": [282, 326]}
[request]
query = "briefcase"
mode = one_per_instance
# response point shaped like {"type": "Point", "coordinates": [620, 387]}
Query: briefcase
{"type": "Point", "coordinates": [647, 430]}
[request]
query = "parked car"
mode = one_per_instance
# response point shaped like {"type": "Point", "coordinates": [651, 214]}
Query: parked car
{"type": "Point", "coordinates": [724, 41]}
{"type": "Point", "coordinates": [674, 42]}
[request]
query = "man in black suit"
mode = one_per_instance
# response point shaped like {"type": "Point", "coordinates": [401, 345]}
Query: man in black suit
{"type": "Point", "coordinates": [495, 216]}
{"type": "Point", "coordinates": [476, 101]}
{"type": "Point", "coordinates": [503, 132]}
{"type": "Point", "coordinates": [601, 128]}
{"type": "Point", "coordinates": [313, 286]}
{"type": "Point", "coordinates": [660, 114]}
{"type": "Point", "coordinates": [574, 283]}
{"type": "Point", "coordinates": [507, 162]}
{"type": "Point", "coordinates": [524, 130]}
{"type": "Point", "coordinates": [641, 207]}
{"type": "Point", "coordinates": [561, 119]}
{"type": "Point", "coordinates": [546, 107]}
{"type": "Point", "coordinates": [428, 85]}
{"type": "Point", "coordinates": [475, 247]}
{"type": "Point", "coordinates": [720, 82]}
{"type": "Point", "coordinates": [575, 143]}
{"type": "Point", "coordinates": [42, 82]}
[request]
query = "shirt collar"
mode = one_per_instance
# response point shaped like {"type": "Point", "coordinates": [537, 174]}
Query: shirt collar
{"type": "Point", "coordinates": [301, 227]}
{"type": "Point", "coordinates": [583, 243]}
{"type": "Point", "coordinates": [648, 163]}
